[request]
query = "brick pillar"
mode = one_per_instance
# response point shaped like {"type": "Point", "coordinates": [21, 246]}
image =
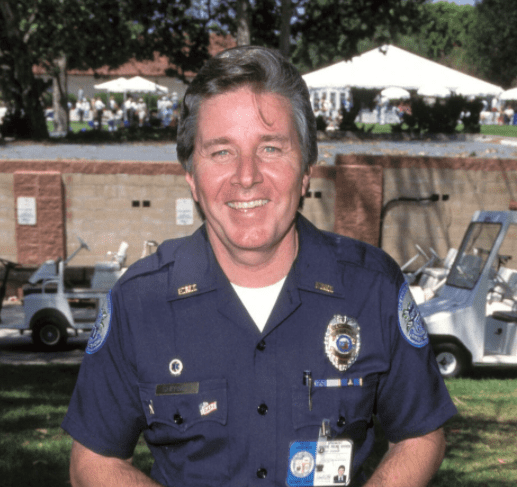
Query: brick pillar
{"type": "Point", "coordinates": [358, 202]}
{"type": "Point", "coordinates": [46, 239]}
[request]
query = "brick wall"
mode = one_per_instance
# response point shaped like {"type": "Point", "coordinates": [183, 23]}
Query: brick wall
{"type": "Point", "coordinates": [107, 202]}
{"type": "Point", "coordinates": [46, 238]}
{"type": "Point", "coordinates": [7, 219]}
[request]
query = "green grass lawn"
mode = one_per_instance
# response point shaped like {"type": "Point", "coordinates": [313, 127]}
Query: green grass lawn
{"type": "Point", "coordinates": [34, 451]}
{"type": "Point", "coordinates": [496, 130]}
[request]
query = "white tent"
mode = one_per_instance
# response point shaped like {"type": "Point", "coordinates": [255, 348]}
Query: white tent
{"type": "Point", "coordinates": [391, 66]}
{"type": "Point", "coordinates": [434, 91]}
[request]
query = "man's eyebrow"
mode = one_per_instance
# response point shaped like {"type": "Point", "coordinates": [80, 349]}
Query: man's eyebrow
{"type": "Point", "coordinates": [212, 142]}
{"type": "Point", "coordinates": [275, 138]}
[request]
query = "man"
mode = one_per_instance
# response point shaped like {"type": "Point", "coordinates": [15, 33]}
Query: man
{"type": "Point", "coordinates": [99, 111]}
{"type": "Point", "coordinates": [340, 478]}
{"type": "Point", "coordinates": [256, 351]}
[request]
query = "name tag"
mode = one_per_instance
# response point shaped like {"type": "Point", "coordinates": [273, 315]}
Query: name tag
{"type": "Point", "coordinates": [176, 389]}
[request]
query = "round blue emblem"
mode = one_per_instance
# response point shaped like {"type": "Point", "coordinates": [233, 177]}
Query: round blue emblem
{"type": "Point", "coordinates": [411, 323]}
{"type": "Point", "coordinates": [100, 330]}
{"type": "Point", "coordinates": [344, 343]}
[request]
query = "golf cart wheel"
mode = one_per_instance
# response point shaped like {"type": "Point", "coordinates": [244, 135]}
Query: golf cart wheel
{"type": "Point", "coordinates": [49, 332]}
{"type": "Point", "coordinates": [452, 360]}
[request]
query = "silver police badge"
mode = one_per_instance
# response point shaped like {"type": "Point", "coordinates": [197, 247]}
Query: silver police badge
{"type": "Point", "coordinates": [342, 341]}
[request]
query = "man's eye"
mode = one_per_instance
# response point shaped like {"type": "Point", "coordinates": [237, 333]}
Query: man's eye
{"type": "Point", "coordinates": [220, 153]}
{"type": "Point", "coordinates": [271, 149]}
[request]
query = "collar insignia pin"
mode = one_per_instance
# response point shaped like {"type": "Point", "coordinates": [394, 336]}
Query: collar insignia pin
{"type": "Point", "coordinates": [189, 289]}
{"type": "Point", "coordinates": [324, 287]}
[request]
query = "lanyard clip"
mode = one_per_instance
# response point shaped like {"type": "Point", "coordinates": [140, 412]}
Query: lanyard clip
{"type": "Point", "coordinates": [307, 381]}
{"type": "Point", "coordinates": [325, 431]}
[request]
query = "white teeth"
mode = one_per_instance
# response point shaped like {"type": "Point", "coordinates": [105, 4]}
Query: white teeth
{"type": "Point", "coordinates": [246, 205]}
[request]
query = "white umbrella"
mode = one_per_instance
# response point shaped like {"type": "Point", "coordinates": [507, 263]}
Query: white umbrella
{"type": "Point", "coordinates": [141, 85]}
{"type": "Point", "coordinates": [395, 93]}
{"type": "Point", "coordinates": [471, 89]}
{"type": "Point", "coordinates": [113, 86]}
{"type": "Point", "coordinates": [434, 91]}
{"type": "Point", "coordinates": [509, 94]}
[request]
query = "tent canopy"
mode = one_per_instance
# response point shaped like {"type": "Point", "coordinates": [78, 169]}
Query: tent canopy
{"type": "Point", "coordinates": [133, 85]}
{"type": "Point", "coordinates": [391, 66]}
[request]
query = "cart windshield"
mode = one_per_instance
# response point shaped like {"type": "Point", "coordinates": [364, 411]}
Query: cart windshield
{"type": "Point", "coordinates": [473, 254]}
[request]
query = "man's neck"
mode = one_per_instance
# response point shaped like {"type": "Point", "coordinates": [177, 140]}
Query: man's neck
{"type": "Point", "coordinates": [256, 268]}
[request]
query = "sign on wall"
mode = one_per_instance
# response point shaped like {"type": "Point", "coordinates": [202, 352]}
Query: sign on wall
{"type": "Point", "coordinates": [184, 211]}
{"type": "Point", "coordinates": [26, 209]}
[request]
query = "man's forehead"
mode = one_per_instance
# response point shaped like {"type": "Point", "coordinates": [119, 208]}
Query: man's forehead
{"type": "Point", "coordinates": [238, 106]}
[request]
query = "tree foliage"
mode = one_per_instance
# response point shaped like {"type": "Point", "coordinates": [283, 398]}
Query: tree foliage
{"type": "Point", "coordinates": [444, 35]}
{"type": "Point", "coordinates": [494, 41]}
{"type": "Point", "coordinates": [82, 34]}
{"type": "Point", "coordinates": [330, 30]}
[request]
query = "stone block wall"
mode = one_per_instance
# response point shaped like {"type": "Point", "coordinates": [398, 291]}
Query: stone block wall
{"type": "Point", "coordinates": [108, 202]}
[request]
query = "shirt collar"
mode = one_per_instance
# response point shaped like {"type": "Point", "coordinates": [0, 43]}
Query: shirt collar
{"type": "Point", "coordinates": [194, 270]}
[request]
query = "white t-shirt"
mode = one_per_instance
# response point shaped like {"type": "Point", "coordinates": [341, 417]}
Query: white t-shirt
{"type": "Point", "coordinates": [259, 301]}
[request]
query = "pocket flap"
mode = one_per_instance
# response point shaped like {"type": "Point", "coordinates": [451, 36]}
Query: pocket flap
{"type": "Point", "coordinates": [182, 405]}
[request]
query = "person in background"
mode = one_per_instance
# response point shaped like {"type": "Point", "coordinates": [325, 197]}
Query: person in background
{"type": "Point", "coordinates": [99, 110]}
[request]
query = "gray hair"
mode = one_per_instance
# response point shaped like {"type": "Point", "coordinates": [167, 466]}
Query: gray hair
{"type": "Point", "coordinates": [264, 71]}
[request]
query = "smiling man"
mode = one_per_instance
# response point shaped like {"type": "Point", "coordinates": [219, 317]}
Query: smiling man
{"type": "Point", "coordinates": [257, 351]}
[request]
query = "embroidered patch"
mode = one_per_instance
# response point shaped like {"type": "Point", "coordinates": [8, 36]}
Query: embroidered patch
{"type": "Point", "coordinates": [102, 326]}
{"type": "Point", "coordinates": [411, 323]}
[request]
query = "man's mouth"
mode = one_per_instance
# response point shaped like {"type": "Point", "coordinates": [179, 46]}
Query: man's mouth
{"type": "Point", "coordinates": [247, 205]}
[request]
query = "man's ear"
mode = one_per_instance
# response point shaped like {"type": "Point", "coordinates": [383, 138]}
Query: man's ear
{"type": "Point", "coordinates": [306, 180]}
{"type": "Point", "coordinates": [190, 180]}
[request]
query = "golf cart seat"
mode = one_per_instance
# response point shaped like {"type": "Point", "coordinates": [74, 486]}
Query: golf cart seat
{"type": "Point", "coordinates": [508, 316]}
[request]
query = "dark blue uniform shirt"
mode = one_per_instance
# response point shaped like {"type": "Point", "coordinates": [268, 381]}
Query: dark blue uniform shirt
{"type": "Point", "coordinates": [178, 358]}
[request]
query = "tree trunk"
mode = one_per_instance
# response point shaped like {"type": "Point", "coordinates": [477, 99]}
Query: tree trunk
{"type": "Point", "coordinates": [60, 96]}
{"type": "Point", "coordinates": [21, 89]}
{"type": "Point", "coordinates": [243, 23]}
{"type": "Point", "coordinates": [285, 28]}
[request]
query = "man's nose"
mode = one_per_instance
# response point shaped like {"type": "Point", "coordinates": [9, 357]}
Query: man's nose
{"type": "Point", "coordinates": [247, 173]}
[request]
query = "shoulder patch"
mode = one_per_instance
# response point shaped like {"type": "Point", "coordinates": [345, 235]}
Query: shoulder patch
{"type": "Point", "coordinates": [410, 321]}
{"type": "Point", "coordinates": [102, 326]}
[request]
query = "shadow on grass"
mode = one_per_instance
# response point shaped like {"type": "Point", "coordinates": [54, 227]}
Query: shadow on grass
{"type": "Point", "coordinates": [34, 451]}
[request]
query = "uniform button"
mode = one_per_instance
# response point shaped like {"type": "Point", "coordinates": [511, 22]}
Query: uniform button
{"type": "Point", "coordinates": [261, 345]}
{"type": "Point", "coordinates": [262, 409]}
{"type": "Point", "coordinates": [261, 473]}
{"type": "Point", "coordinates": [341, 421]}
{"type": "Point", "coordinates": [178, 419]}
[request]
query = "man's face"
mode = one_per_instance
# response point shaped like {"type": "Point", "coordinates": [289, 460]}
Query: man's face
{"type": "Point", "coordinates": [247, 170]}
{"type": "Point", "coordinates": [341, 472]}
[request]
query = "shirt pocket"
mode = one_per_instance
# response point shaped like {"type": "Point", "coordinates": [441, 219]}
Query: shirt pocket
{"type": "Point", "coordinates": [182, 406]}
{"type": "Point", "coordinates": [187, 432]}
{"type": "Point", "coordinates": [349, 409]}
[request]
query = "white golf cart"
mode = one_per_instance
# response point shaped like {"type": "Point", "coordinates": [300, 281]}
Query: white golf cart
{"type": "Point", "coordinates": [472, 321]}
{"type": "Point", "coordinates": [51, 306]}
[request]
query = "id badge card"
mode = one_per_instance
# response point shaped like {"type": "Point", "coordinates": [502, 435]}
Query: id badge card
{"type": "Point", "coordinates": [320, 463]}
